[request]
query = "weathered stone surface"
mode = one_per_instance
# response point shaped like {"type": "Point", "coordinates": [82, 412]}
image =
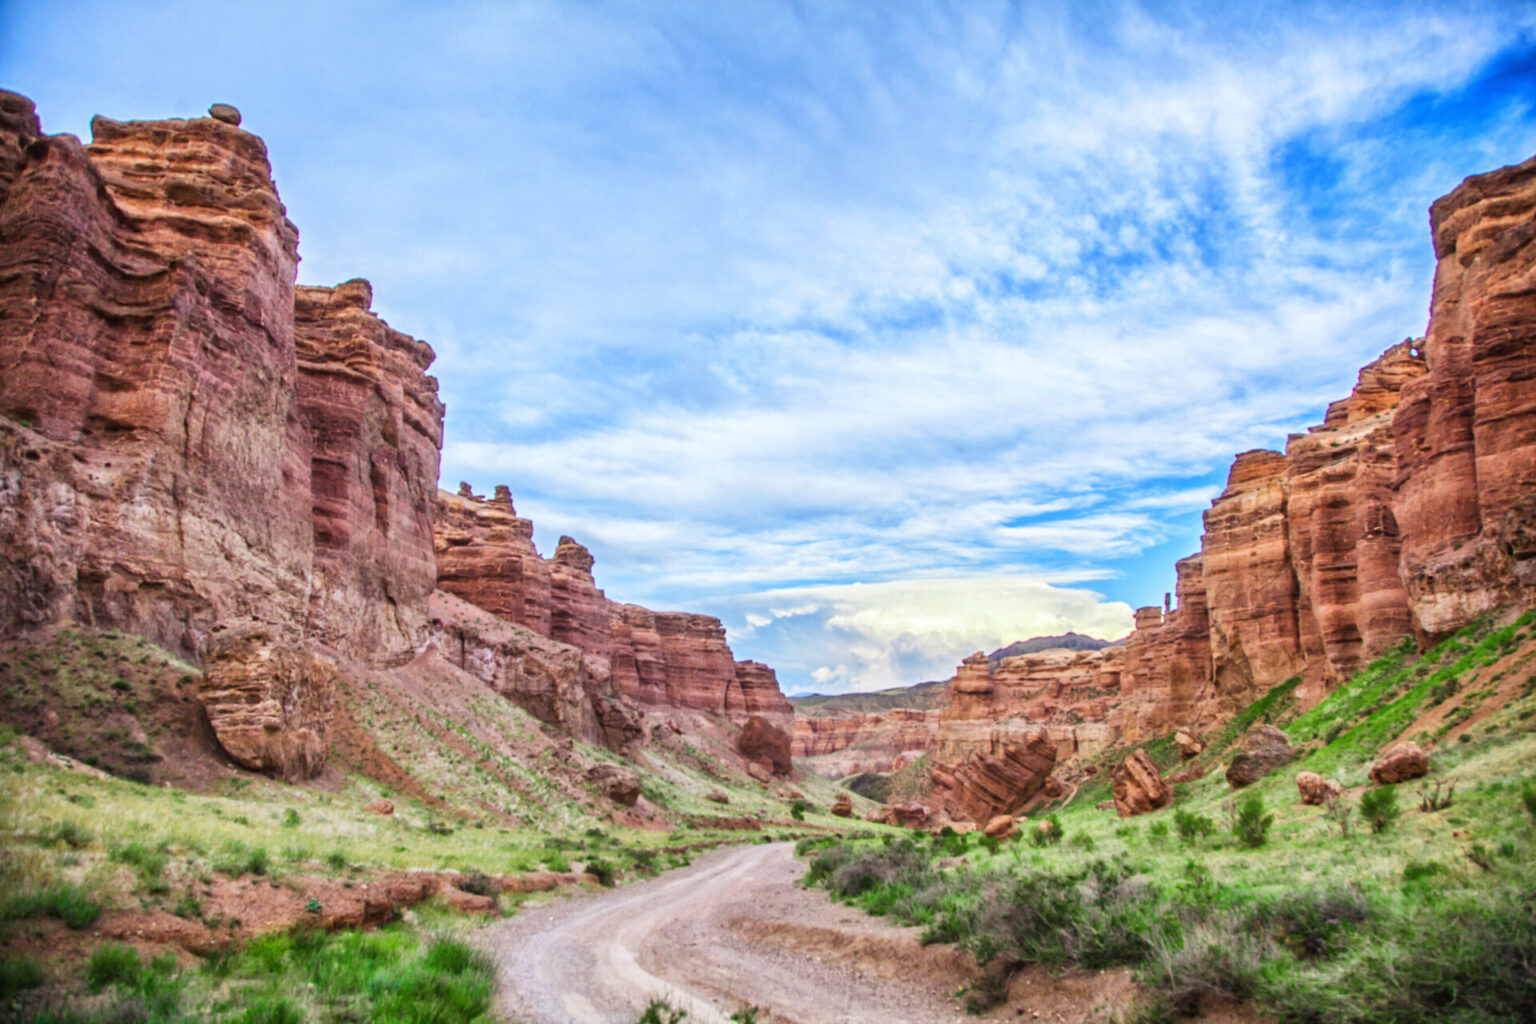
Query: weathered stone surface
{"type": "Point", "coordinates": [380, 806]}
{"type": "Point", "coordinates": [468, 902]}
{"type": "Point", "coordinates": [988, 784]}
{"type": "Point", "coordinates": [485, 555]}
{"type": "Point", "coordinates": [1315, 789]}
{"type": "Point", "coordinates": [842, 806]}
{"type": "Point", "coordinates": [1138, 786]}
{"type": "Point", "coordinates": [164, 368]}
{"type": "Point", "coordinates": [226, 113]}
{"type": "Point", "coordinates": [754, 690]}
{"type": "Point", "coordinates": [766, 744]}
{"type": "Point", "coordinates": [554, 682]}
{"type": "Point", "coordinates": [1003, 826]}
{"type": "Point", "coordinates": [842, 745]}
{"type": "Point", "coordinates": [1343, 538]}
{"type": "Point", "coordinates": [377, 425]}
{"type": "Point", "coordinates": [1265, 748]}
{"type": "Point", "coordinates": [1401, 762]}
{"type": "Point", "coordinates": [618, 783]}
{"type": "Point", "coordinates": [1466, 430]}
{"type": "Point", "coordinates": [270, 703]}
{"type": "Point", "coordinates": [1188, 745]}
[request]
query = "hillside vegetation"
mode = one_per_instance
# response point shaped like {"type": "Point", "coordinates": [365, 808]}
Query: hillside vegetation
{"type": "Point", "coordinates": [110, 879]}
{"type": "Point", "coordinates": [1397, 903]}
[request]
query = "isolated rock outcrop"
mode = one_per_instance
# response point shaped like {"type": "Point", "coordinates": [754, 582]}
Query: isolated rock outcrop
{"type": "Point", "coordinates": [1138, 786]}
{"type": "Point", "coordinates": [270, 703]}
{"type": "Point", "coordinates": [618, 783]}
{"type": "Point", "coordinates": [1003, 826]}
{"type": "Point", "coordinates": [1264, 749]}
{"type": "Point", "coordinates": [1188, 746]}
{"type": "Point", "coordinates": [1401, 762]}
{"type": "Point", "coordinates": [986, 785]}
{"type": "Point", "coordinates": [1315, 789]}
{"type": "Point", "coordinates": [842, 806]}
{"type": "Point", "coordinates": [764, 743]}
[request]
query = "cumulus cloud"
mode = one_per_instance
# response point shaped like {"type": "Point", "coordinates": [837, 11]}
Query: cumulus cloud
{"type": "Point", "coordinates": [862, 636]}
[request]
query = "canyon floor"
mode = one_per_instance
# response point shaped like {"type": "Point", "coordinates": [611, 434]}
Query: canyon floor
{"type": "Point", "coordinates": [734, 932]}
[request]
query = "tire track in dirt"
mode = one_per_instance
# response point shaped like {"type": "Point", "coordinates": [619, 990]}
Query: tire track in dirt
{"type": "Point", "coordinates": [732, 930]}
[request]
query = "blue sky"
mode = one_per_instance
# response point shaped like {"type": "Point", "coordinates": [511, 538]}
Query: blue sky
{"type": "Point", "coordinates": [887, 332]}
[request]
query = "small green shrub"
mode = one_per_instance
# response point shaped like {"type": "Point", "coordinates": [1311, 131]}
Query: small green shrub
{"type": "Point", "coordinates": [603, 871]}
{"type": "Point", "coordinates": [1252, 824]}
{"type": "Point", "coordinates": [336, 860]}
{"type": "Point", "coordinates": [1047, 832]}
{"type": "Point", "coordinates": [1157, 833]}
{"type": "Point", "coordinates": [660, 1012]}
{"type": "Point", "coordinates": [1379, 808]}
{"type": "Point", "coordinates": [71, 833]}
{"type": "Point", "coordinates": [1528, 798]}
{"type": "Point", "coordinates": [61, 901]}
{"type": "Point", "coordinates": [1192, 826]}
{"type": "Point", "coordinates": [113, 964]}
{"type": "Point", "coordinates": [797, 810]}
{"type": "Point", "coordinates": [17, 974]}
{"type": "Point", "coordinates": [291, 818]}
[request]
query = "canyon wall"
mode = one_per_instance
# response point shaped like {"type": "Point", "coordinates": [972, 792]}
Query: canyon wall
{"type": "Point", "coordinates": [195, 448]}
{"type": "Point", "coordinates": [659, 660]}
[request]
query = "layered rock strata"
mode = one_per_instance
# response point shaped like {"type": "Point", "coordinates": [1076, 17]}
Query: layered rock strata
{"type": "Point", "coordinates": [197, 450]}
{"type": "Point", "coordinates": [661, 660]}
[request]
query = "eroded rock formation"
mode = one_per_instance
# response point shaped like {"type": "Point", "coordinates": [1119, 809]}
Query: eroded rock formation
{"type": "Point", "coordinates": [243, 470]}
{"type": "Point", "coordinates": [1138, 786]}
{"type": "Point", "coordinates": [662, 660]}
{"type": "Point", "coordinates": [269, 701]}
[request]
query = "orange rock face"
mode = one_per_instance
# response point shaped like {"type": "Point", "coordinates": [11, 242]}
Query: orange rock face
{"type": "Point", "coordinates": [268, 702]}
{"type": "Point", "coordinates": [766, 744]}
{"type": "Point", "coordinates": [486, 557]}
{"type": "Point", "coordinates": [988, 784]}
{"type": "Point", "coordinates": [1466, 430]}
{"type": "Point", "coordinates": [377, 426]}
{"type": "Point", "coordinates": [1401, 762]}
{"type": "Point", "coordinates": [163, 368]}
{"type": "Point", "coordinates": [1138, 786]}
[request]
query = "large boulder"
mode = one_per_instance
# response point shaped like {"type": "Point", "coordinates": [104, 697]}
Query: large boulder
{"type": "Point", "coordinates": [1265, 748]}
{"type": "Point", "coordinates": [617, 782]}
{"type": "Point", "coordinates": [1317, 790]}
{"type": "Point", "coordinates": [1401, 762]}
{"type": "Point", "coordinates": [1138, 786]}
{"type": "Point", "coordinates": [766, 744]}
{"type": "Point", "coordinates": [1188, 745]}
{"type": "Point", "coordinates": [269, 702]}
{"type": "Point", "coordinates": [987, 785]}
{"type": "Point", "coordinates": [1001, 827]}
{"type": "Point", "coordinates": [843, 806]}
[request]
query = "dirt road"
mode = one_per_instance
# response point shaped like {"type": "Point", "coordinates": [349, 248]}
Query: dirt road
{"type": "Point", "coordinates": [730, 931]}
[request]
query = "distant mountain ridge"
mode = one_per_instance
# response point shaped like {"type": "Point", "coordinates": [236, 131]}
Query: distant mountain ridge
{"type": "Point", "coordinates": [1063, 642]}
{"type": "Point", "coordinates": [923, 696]}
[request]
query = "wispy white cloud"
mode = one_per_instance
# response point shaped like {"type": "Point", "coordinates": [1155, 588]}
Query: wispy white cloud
{"type": "Point", "coordinates": [835, 293]}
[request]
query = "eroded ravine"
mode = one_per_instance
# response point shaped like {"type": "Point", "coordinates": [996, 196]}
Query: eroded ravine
{"type": "Point", "coordinates": [730, 931]}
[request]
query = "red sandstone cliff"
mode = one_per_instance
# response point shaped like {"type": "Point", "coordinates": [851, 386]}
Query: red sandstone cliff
{"type": "Point", "coordinates": [194, 448]}
{"type": "Point", "coordinates": [661, 660]}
